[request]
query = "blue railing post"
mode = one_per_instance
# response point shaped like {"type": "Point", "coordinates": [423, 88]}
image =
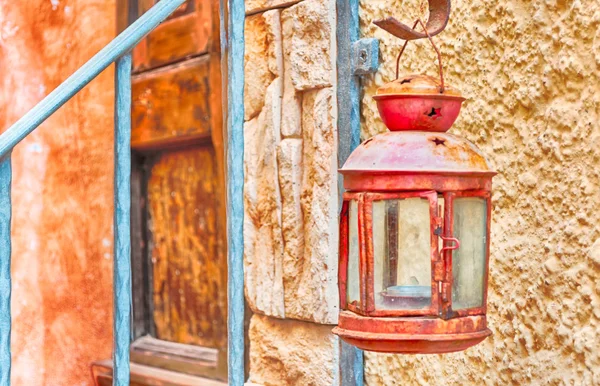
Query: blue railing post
{"type": "Point", "coordinates": [348, 94]}
{"type": "Point", "coordinates": [116, 50]}
{"type": "Point", "coordinates": [235, 184]}
{"type": "Point", "coordinates": [122, 218]}
{"type": "Point", "coordinates": [5, 285]}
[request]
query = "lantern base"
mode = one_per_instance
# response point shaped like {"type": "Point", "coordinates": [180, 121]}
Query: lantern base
{"type": "Point", "coordinates": [411, 335]}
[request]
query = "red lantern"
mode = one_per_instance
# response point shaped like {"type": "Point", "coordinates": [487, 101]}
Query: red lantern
{"type": "Point", "coordinates": [414, 229]}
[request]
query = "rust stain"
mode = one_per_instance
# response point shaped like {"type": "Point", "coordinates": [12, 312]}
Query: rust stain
{"type": "Point", "coordinates": [461, 153]}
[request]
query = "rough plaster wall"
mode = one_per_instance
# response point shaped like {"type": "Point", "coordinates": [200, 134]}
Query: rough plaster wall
{"type": "Point", "coordinates": [530, 72]}
{"type": "Point", "coordinates": [62, 191]}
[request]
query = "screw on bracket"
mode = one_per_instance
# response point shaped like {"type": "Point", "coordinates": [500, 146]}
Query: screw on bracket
{"type": "Point", "coordinates": [365, 58]}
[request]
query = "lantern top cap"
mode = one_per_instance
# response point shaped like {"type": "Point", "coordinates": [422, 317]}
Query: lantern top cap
{"type": "Point", "coordinates": [417, 85]}
{"type": "Point", "coordinates": [417, 152]}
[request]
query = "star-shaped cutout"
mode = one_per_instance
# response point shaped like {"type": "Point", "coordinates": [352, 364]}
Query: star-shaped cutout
{"type": "Point", "coordinates": [438, 141]}
{"type": "Point", "coordinates": [434, 113]}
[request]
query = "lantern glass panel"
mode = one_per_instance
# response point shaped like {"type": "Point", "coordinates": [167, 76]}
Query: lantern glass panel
{"type": "Point", "coordinates": [469, 261]}
{"type": "Point", "coordinates": [402, 254]}
{"type": "Point", "coordinates": [353, 279]}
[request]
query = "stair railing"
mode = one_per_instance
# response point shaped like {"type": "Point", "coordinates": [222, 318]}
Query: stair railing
{"type": "Point", "coordinates": [118, 50]}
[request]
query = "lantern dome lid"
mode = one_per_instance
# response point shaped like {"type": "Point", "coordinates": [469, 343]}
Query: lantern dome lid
{"type": "Point", "coordinates": [417, 85]}
{"type": "Point", "coordinates": [417, 152]}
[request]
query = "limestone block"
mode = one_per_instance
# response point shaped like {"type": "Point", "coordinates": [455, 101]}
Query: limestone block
{"type": "Point", "coordinates": [291, 120]}
{"type": "Point", "coordinates": [286, 352]}
{"type": "Point", "coordinates": [308, 27]}
{"type": "Point", "coordinates": [274, 41]}
{"type": "Point", "coordinates": [311, 279]}
{"type": "Point", "coordinates": [263, 58]}
{"type": "Point", "coordinates": [254, 6]}
{"type": "Point", "coordinates": [263, 241]}
{"type": "Point", "coordinates": [289, 156]}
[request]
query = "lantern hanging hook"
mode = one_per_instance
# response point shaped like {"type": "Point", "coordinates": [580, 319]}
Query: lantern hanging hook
{"type": "Point", "coordinates": [439, 55]}
{"type": "Point", "coordinates": [439, 14]}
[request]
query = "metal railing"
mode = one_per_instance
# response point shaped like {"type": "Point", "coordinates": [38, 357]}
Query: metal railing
{"type": "Point", "coordinates": [116, 51]}
{"type": "Point", "coordinates": [232, 18]}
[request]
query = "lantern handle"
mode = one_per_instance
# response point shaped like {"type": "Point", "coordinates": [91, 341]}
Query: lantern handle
{"type": "Point", "coordinates": [439, 14]}
{"type": "Point", "coordinates": [439, 55]}
{"type": "Point", "coordinates": [451, 248]}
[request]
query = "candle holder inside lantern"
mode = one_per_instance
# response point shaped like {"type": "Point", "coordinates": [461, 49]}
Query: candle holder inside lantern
{"type": "Point", "coordinates": [415, 226]}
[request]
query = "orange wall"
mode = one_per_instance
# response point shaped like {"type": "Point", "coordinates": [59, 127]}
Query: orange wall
{"type": "Point", "coordinates": [62, 190]}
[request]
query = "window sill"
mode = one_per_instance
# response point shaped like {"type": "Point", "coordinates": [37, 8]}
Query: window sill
{"type": "Point", "coordinates": [145, 375]}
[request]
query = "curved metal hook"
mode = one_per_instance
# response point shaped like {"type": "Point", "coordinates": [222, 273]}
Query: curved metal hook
{"type": "Point", "coordinates": [439, 14]}
{"type": "Point", "coordinates": [437, 51]}
{"type": "Point", "coordinates": [450, 248]}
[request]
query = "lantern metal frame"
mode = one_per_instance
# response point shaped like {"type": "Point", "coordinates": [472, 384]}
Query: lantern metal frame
{"type": "Point", "coordinates": [367, 264]}
{"type": "Point", "coordinates": [441, 228]}
{"type": "Point", "coordinates": [449, 197]}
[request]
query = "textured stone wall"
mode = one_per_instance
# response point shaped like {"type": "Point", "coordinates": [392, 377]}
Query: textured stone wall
{"type": "Point", "coordinates": [290, 228]}
{"type": "Point", "coordinates": [530, 71]}
{"type": "Point", "coordinates": [286, 352]}
{"type": "Point", "coordinates": [62, 191]}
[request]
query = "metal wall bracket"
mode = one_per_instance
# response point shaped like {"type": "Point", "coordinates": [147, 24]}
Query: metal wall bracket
{"type": "Point", "coordinates": [354, 57]}
{"type": "Point", "coordinates": [365, 56]}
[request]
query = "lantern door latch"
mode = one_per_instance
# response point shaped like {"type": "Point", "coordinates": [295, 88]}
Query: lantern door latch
{"type": "Point", "coordinates": [453, 240]}
{"type": "Point", "coordinates": [365, 56]}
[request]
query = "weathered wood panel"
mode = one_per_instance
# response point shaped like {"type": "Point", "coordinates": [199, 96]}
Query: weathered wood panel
{"type": "Point", "coordinates": [183, 358]}
{"type": "Point", "coordinates": [187, 33]}
{"type": "Point", "coordinates": [141, 274]}
{"type": "Point", "coordinates": [216, 103]}
{"type": "Point", "coordinates": [189, 295]}
{"type": "Point", "coordinates": [171, 105]}
{"type": "Point", "coordinates": [184, 9]}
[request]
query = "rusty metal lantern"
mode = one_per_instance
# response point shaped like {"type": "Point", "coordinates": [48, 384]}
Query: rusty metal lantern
{"type": "Point", "coordinates": [415, 228]}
